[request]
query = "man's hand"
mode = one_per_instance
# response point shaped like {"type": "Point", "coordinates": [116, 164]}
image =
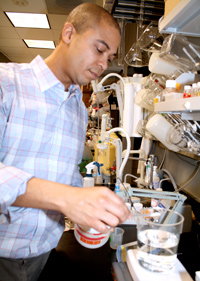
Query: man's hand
{"type": "Point", "coordinates": [95, 207]}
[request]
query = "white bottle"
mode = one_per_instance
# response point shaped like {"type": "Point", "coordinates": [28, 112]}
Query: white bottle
{"type": "Point", "coordinates": [155, 201]}
{"type": "Point", "coordinates": [88, 180]}
{"type": "Point", "coordinates": [170, 92]}
{"type": "Point", "coordinates": [156, 179]}
{"type": "Point", "coordinates": [86, 236]}
{"type": "Point", "coordinates": [147, 172]}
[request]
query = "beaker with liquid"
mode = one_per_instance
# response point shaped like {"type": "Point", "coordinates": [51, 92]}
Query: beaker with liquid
{"type": "Point", "coordinates": [158, 240]}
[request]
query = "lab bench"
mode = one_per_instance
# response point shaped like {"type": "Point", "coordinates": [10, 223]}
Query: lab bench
{"type": "Point", "coordinates": [71, 261]}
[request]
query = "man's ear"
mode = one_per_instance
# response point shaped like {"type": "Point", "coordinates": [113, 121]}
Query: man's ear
{"type": "Point", "coordinates": [68, 32]}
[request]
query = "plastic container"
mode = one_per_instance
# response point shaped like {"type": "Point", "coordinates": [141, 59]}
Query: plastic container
{"type": "Point", "coordinates": [156, 179]}
{"type": "Point", "coordinates": [154, 201]}
{"type": "Point", "coordinates": [160, 128]}
{"type": "Point", "coordinates": [116, 237]}
{"type": "Point", "coordinates": [89, 237]}
{"type": "Point", "coordinates": [170, 92]}
{"type": "Point", "coordinates": [198, 89]}
{"type": "Point", "coordinates": [187, 91]}
{"type": "Point", "coordinates": [88, 180]}
{"type": "Point", "coordinates": [147, 172]}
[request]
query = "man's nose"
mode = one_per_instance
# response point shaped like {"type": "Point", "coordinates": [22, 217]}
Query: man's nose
{"type": "Point", "coordinates": [103, 63]}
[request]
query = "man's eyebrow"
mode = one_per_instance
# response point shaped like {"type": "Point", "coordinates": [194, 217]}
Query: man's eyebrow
{"type": "Point", "coordinates": [103, 42]}
{"type": "Point", "coordinates": [107, 46]}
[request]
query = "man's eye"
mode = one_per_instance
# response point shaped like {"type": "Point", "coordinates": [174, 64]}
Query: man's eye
{"type": "Point", "coordinates": [99, 50]}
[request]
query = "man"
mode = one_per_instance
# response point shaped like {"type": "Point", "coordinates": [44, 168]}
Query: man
{"type": "Point", "coordinates": [42, 131]}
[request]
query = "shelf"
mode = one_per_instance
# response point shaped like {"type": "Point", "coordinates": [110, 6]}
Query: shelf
{"type": "Point", "coordinates": [179, 105]}
{"type": "Point", "coordinates": [183, 19]}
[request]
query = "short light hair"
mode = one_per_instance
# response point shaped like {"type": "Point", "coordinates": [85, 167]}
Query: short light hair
{"type": "Point", "coordinates": [88, 15]}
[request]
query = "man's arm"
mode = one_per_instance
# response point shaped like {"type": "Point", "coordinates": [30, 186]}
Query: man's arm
{"type": "Point", "coordinates": [93, 206]}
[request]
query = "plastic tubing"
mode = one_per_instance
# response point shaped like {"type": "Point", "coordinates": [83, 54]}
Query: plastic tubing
{"type": "Point", "coordinates": [109, 75]}
{"type": "Point", "coordinates": [171, 178]}
{"type": "Point", "coordinates": [127, 150]}
{"type": "Point", "coordinates": [185, 184]}
{"type": "Point", "coordinates": [130, 175]}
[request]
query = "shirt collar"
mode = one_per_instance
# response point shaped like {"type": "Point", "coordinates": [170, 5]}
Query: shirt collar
{"type": "Point", "coordinates": [47, 79]}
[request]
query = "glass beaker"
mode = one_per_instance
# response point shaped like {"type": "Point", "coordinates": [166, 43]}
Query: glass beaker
{"type": "Point", "coordinates": [180, 50]}
{"type": "Point", "coordinates": [137, 57]}
{"type": "Point", "coordinates": [158, 239]}
{"type": "Point", "coordinates": [185, 137]}
{"type": "Point", "coordinates": [151, 40]}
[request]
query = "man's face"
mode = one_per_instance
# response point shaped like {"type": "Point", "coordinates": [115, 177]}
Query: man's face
{"type": "Point", "coordinates": [90, 53]}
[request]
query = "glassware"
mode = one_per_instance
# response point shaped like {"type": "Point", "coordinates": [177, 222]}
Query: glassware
{"type": "Point", "coordinates": [185, 137]}
{"type": "Point", "coordinates": [136, 56]}
{"type": "Point", "coordinates": [158, 239]}
{"type": "Point", "coordinates": [178, 49]}
{"type": "Point", "coordinates": [151, 40]}
{"type": "Point", "coordinates": [154, 86]}
{"type": "Point", "coordinates": [160, 128]}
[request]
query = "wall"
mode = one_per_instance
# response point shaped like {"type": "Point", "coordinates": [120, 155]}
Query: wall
{"type": "Point", "coordinates": [3, 58]}
{"type": "Point", "coordinates": [183, 169]}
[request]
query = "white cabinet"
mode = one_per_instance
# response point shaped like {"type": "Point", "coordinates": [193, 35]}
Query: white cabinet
{"type": "Point", "coordinates": [183, 19]}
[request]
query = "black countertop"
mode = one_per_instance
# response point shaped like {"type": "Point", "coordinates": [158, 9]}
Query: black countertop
{"type": "Point", "coordinates": [71, 261]}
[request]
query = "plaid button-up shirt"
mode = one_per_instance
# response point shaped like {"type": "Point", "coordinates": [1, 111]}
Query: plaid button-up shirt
{"type": "Point", "coordinates": [42, 134]}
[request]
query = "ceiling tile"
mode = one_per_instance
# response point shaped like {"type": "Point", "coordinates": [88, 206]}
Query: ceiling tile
{"type": "Point", "coordinates": [6, 42]}
{"type": "Point", "coordinates": [4, 20]}
{"type": "Point", "coordinates": [22, 59]}
{"type": "Point", "coordinates": [8, 32]}
{"type": "Point", "coordinates": [43, 52]}
{"type": "Point", "coordinates": [34, 33]}
{"type": "Point", "coordinates": [11, 51]}
{"type": "Point", "coordinates": [57, 21]}
{"type": "Point", "coordinates": [34, 6]}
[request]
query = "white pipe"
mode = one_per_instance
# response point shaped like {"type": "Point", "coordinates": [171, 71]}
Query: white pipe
{"type": "Point", "coordinates": [103, 126]}
{"type": "Point", "coordinates": [127, 150]}
{"type": "Point", "coordinates": [118, 145]}
{"type": "Point", "coordinates": [142, 155]}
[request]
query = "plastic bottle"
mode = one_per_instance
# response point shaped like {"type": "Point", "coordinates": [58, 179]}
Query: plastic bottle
{"type": "Point", "coordinates": [178, 87]}
{"type": "Point", "coordinates": [198, 89]}
{"type": "Point", "coordinates": [154, 201]}
{"type": "Point", "coordinates": [187, 91]}
{"type": "Point", "coordinates": [147, 171]}
{"type": "Point", "coordinates": [170, 92]}
{"type": "Point", "coordinates": [97, 174]}
{"type": "Point", "coordinates": [88, 180]}
{"type": "Point", "coordinates": [194, 89]}
{"type": "Point", "coordinates": [156, 179]}
{"type": "Point", "coordinates": [86, 236]}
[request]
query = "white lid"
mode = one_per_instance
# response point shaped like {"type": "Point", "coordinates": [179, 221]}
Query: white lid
{"type": "Point", "coordinates": [194, 85]}
{"type": "Point", "coordinates": [198, 84]}
{"type": "Point", "coordinates": [138, 206]}
{"type": "Point", "coordinates": [171, 84]}
{"type": "Point", "coordinates": [187, 87]}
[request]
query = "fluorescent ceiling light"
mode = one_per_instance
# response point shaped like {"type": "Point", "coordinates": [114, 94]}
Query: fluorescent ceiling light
{"type": "Point", "coordinates": [44, 44]}
{"type": "Point", "coordinates": [28, 20]}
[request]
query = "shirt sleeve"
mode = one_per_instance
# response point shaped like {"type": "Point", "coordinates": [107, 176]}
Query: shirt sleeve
{"type": "Point", "coordinates": [77, 179]}
{"type": "Point", "coordinates": [13, 181]}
